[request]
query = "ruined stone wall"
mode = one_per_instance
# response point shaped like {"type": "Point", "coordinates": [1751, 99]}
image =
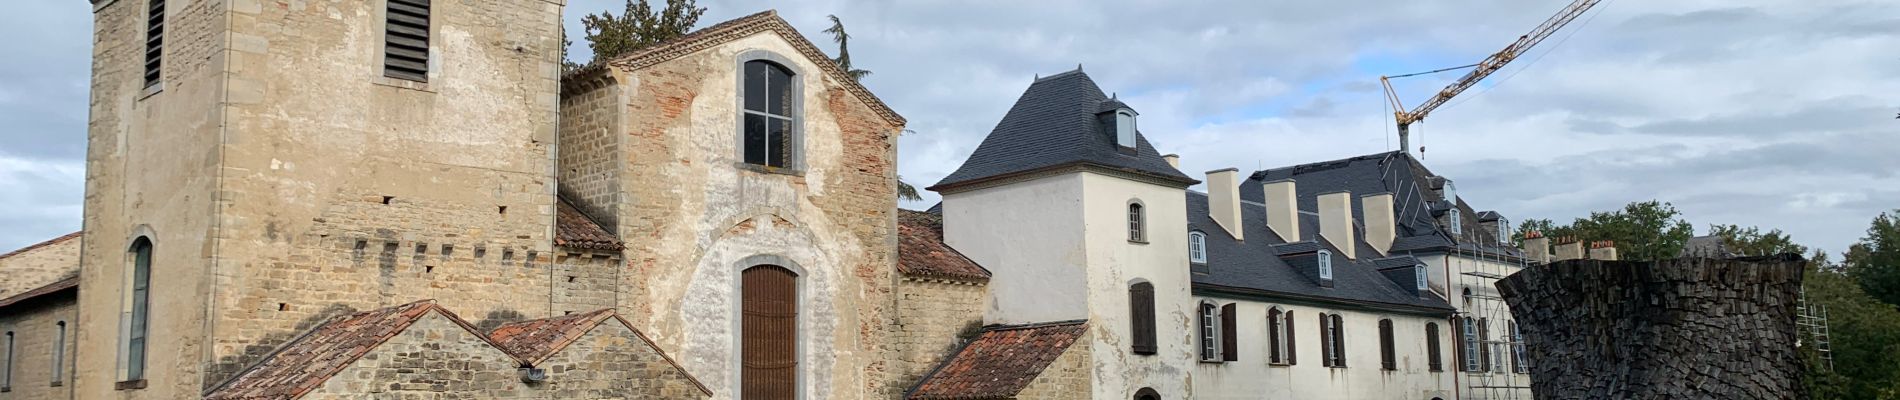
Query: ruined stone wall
{"type": "Point", "coordinates": [695, 216]}
{"type": "Point", "coordinates": [1686, 328]}
{"type": "Point", "coordinates": [933, 319]}
{"type": "Point", "coordinates": [613, 362]}
{"type": "Point", "coordinates": [38, 265]}
{"type": "Point", "coordinates": [1068, 378]}
{"type": "Point", "coordinates": [585, 282]}
{"type": "Point", "coordinates": [343, 189]}
{"type": "Point", "coordinates": [591, 111]}
{"type": "Point", "coordinates": [35, 326]}
{"type": "Point", "coordinates": [151, 171]}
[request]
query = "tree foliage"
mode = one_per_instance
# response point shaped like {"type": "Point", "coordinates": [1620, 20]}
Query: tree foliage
{"type": "Point", "coordinates": [1864, 339]}
{"type": "Point", "coordinates": [1751, 241]}
{"type": "Point", "coordinates": [1874, 261]}
{"type": "Point", "coordinates": [638, 26]}
{"type": "Point", "coordinates": [1649, 230]}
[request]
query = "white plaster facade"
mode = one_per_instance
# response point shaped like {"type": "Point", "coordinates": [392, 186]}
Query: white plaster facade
{"type": "Point", "coordinates": [1254, 377]}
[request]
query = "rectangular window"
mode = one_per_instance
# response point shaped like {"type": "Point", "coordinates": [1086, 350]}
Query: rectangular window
{"type": "Point", "coordinates": [1388, 356]}
{"type": "Point", "coordinates": [1431, 347]}
{"type": "Point", "coordinates": [59, 352]}
{"type": "Point", "coordinates": [1141, 297]}
{"type": "Point", "coordinates": [1276, 338]}
{"type": "Point", "coordinates": [1210, 332]}
{"type": "Point", "coordinates": [154, 39]}
{"type": "Point", "coordinates": [1469, 329]}
{"type": "Point", "coordinates": [1484, 347]}
{"type": "Point", "coordinates": [406, 40]}
{"type": "Point", "coordinates": [1520, 362]}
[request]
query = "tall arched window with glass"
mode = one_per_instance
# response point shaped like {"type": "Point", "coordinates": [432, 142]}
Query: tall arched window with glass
{"type": "Point", "coordinates": [770, 114]}
{"type": "Point", "coordinates": [137, 310]}
{"type": "Point", "coordinates": [1136, 223]}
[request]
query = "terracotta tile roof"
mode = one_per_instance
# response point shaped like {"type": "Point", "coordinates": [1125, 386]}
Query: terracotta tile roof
{"type": "Point", "coordinates": [739, 28]}
{"type": "Point", "coordinates": [921, 251]}
{"type": "Point", "coordinates": [1000, 362]}
{"type": "Point", "coordinates": [71, 283]}
{"type": "Point", "coordinates": [306, 362]}
{"type": "Point", "coordinates": [53, 241]}
{"type": "Point", "coordinates": [574, 229]}
{"type": "Point", "coordinates": [533, 341]}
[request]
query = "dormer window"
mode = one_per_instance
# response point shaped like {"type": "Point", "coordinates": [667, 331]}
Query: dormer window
{"type": "Point", "coordinates": [1125, 128]}
{"type": "Point", "coordinates": [1197, 247]}
{"type": "Point", "coordinates": [1451, 192]}
{"type": "Point", "coordinates": [1326, 264]}
{"type": "Point", "coordinates": [1457, 223]}
{"type": "Point", "coordinates": [1504, 231]}
{"type": "Point", "coordinates": [1420, 275]}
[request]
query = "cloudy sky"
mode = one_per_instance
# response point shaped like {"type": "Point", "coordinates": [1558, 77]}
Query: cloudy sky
{"type": "Point", "coordinates": [1778, 114]}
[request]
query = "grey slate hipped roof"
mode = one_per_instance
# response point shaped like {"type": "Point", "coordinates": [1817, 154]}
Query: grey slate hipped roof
{"type": "Point", "coordinates": [1419, 209]}
{"type": "Point", "coordinates": [1267, 265]}
{"type": "Point", "coordinates": [1054, 125]}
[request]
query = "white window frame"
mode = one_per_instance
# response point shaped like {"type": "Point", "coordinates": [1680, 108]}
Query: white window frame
{"type": "Point", "coordinates": [1125, 128]}
{"type": "Point", "coordinates": [1457, 223]}
{"type": "Point", "coordinates": [1326, 264]}
{"type": "Point", "coordinates": [1210, 332]}
{"type": "Point", "coordinates": [1421, 276]}
{"type": "Point", "coordinates": [1520, 362]}
{"type": "Point", "coordinates": [1276, 326]}
{"type": "Point", "coordinates": [1197, 247]}
{"type": "Point", "coordinates": [1504, 231]}
{"type": "Point", "coordinates": [1137, 222]}
{"type": "Point", "coordinates": [1473, 354]}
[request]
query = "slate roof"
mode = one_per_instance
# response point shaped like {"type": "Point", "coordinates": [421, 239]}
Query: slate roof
{"type": "Point", "coordinates": [574, 229]}
{"type": "Point", "coordinates": [1418, 208]}
{"type": "Point", "coordinates": [306, 362]}
{"type": "Point", "coordinates": [1256, 265]}
{"type": "Point", "coordinates": [49, 242]}
{"type": "Point", "coordinates": [1000, 362]}
{"type": "Point", "coordinates": [62, 286]}
{"type": "Point", "coordinates": [1054, 125]}
{"type": "Point", "coordinates": [922, 253]}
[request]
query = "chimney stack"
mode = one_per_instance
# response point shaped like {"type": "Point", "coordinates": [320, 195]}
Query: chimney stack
{"type": "Point", "coordinates": [1381, 227]}
{"type": "Point", "coordinates": [1536, 247]}
{"type": "Point", "coordinates": [1283, 215]}
{"type": "Point", "coordinates": [1569, 249]}
{"type": "Point", "coordinates": [1335, 221]}
{"type": "Point", "coordinates": [1174, 160]}
{"type": "Point", "coordinates": [1603, 250]}
{"type": "Point", "coordinates": [1223, 200]}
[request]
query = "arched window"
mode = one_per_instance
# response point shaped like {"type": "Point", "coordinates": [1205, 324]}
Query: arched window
{"type": "Point", "coordinates": [1326, 264]}
{"type": "Point", "coordinates": [1125, 128]}
{"type": "Point", "coordinates": [1388, 357]}
{"type": "Point", "coordinates": [1210, 332]}
{"type": "Point", "coordinates": [1197, 247]}
{"type": "Point", "coordinates": [1431, 347]}
{"type": "Point", "coordinates": [769, 345]}
{"type": "Point", "coordinates": [1141, 307]}
{"type": "Point", "coordinates": [137, 309]}
{"type": "Point", "coordinates": [1457, 222]}
{"type": "Point", "coordinates": [1276, 336]}
{"type": "Point", "coordinates": [1147, 394]}
{"type": "Point", "coordinates": [1137, 219]}
{"type": "Point", "coordinates": [770, 117]}
{"type": "Point", "coordinates": [1504, 231]}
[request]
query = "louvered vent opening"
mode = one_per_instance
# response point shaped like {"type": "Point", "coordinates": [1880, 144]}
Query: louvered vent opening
{"type": "Point", "coordinates": [154, 39]}
{"type": "Point", "coordinates": [406, 42]}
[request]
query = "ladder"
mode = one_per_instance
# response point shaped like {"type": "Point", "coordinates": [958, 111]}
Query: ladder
{"type": "Point", "coordinates": [1814, 319]}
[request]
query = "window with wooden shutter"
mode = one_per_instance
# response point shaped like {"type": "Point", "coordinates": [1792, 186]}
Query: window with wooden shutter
{"type": "Point", "coordinates": [1292, 349]}
{"type": "Point", "coordinates": [1325, 341]}
{"type": "Point", "coordinates": [1276, 335]}
{"type": "Point", "coordinates": [1339, 341]}
{"type": "Point", "coordinates": [154, 40]}
{"type": "Point", "coordinates": [1229, 341]}
{"type": "Point", "coordinates": [1388, 358]}
{"type": "Point", "coordinates": [1484, 345]}
{"type": "Point", "coordinates": [1210, 331]}
{"type": "Point", "coordinates": [406, 40]}
{"type": "Point", "coordinates": [1520, 360]}
{"type": "Point", "coordinates": [1141, 298]}
{"type": "Point", "coordinates": [1468, 344]}
{"type": "Point", "coordinates": [1431, 347]}
{"type": "Point", "coordinates": [769, 345]}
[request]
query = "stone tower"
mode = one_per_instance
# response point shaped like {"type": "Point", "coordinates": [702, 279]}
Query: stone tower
{"type": "Point", "coordinates": [289, 161]}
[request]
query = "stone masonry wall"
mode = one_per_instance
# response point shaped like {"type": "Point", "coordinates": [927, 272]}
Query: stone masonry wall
{"type": "Point", "coordinates": [933, 319]}
{"type": "Point", "coordinates": [613, 362]}
{"type": "Point", "coordinates": [585, 282]}
{"type": "Point", "coordinates": [433, 359]}
{"type": "Point", "coordinates": [1068, 378]}
{"type": "Point", "coordinates": [34, 267]}
{"type": "Point", "coordinates": [1685, 328]}
{"type": "Point", "coordinates": [590, 151]}
{"type": "Point", "coordinates": [35, 326]}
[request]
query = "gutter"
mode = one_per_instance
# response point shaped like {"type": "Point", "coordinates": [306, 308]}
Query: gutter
{"type": "Point", "coordinates": [1258, 294]}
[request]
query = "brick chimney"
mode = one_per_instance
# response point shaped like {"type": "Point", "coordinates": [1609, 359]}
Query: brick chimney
{"type": "Point", "coordinates": [1536, 247]}
{"type": "Point", "coordinates": [1335, 221]}
{"type": "Point", "coordinates": [1381, 227]}
{"type": "Point", "coordinates": [1283, 215]}
{"type": "Point", "coordinates": [1174, 160]}
{"type": "Point", "coordinates": [1223, 200]}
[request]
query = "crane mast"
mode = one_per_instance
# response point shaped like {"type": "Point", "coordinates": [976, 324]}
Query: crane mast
{"type": "Point", "coordinates": [1481, 70]}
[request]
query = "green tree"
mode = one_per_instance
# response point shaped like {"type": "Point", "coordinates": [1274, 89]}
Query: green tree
{"type": "Point", "coordinates": [638, 26]}
{"type": "Point", "coordinates": [1649, 230]}
{"type": "Point", "coordinates": [838, 35]}
{"type": "Point", "coordinates": [1875, 261]}
{"type": "Point", "coordinates": [1864, 339]}
{"type": "Point", "coordinates": [1751, 241]}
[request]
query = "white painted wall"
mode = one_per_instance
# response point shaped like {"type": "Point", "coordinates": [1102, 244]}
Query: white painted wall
{"type": "Point", "coordinates": [1029, 235]}
{"type": "Point", "coordinates": [1447, 271]}
{"type": "Point", "coordinates": [1115, 263]}
{"type": "Point", "coordinates": [1252, 377]}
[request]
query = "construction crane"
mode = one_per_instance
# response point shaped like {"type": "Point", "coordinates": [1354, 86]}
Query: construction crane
{"type": "Point", "coordinates": [1483, 69]}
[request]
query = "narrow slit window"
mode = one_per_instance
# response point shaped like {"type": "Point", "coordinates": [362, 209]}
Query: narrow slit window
{"type": "Point", "coordinates": [59, 351]}
{"type": "Point", "coordinates": [8, 383]}
{"type": "Point", "coordinates": [406, 40]}
{"type": "Point", "coordinates": [137, 309]}
{"type": "Point", "coordinates": [154, 40]}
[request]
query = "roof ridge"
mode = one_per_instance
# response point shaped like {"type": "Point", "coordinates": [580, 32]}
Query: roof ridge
{"type": "Point", "coordinates": [1077, 70]}
{"type": "Point", "coordinates": [48, 242]}
{"type": "Point", "coordinates": [1034, 325]}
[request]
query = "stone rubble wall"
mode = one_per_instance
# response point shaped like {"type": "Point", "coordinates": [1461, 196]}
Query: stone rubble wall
{"type": "Point", "coordinates": [1685, 328]}
{"type": "Point", "coordinates": [932, 321]}
{"type": "Point", "coordinates": [1068, 378]}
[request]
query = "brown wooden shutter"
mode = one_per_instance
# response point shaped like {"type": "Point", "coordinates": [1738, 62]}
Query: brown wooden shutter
{"type": "Point", "coordinates": [1431, 347]}
{"type": "Point", "coordinates": [406, 40]}
{"type": "Point", "coordinates": [1292, 346]}
{"type": "Point", "coordinates": [1339, 341]}
{"type": "Point", "coordinates": [769, 347]}
{"type": "Point", "coordinates": [1388, 358]}
{"type": "Point", "coordinates": [1273, 337]}
{"type": "Point", "coordinates": [1325, 342]}
{"type": "Point", "coordinates": [1229, 341]}
{"type": "Point", "coordinates": [1484, 345]}
{"type": "Point", "coordinates": [1141, 297]}
{"type": "Point", "coordinates": [154, 39]}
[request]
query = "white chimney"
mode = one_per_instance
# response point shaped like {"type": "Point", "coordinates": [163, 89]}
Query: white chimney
{"type": "Point", "coordinates": [1381, 228]}
{"type": "Point", "coordinates": [1223, 200]}
{"type": "Point", "coordinates": [1174, 160]}
{"type": "Point", "coordinates": [1283, 215]}
{"type": "Point", "coordinates": [1335, 221]}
